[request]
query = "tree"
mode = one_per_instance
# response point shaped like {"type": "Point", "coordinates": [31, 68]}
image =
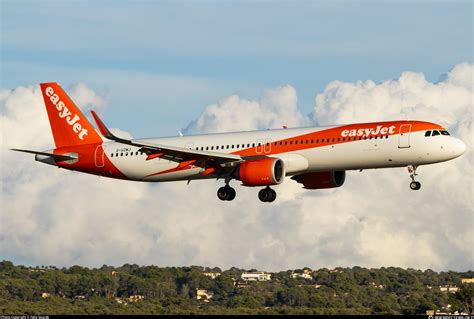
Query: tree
{"type": "Point", "coordinates": [293, 297]}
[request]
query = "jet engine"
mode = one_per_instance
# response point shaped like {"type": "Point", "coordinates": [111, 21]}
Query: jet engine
{"type": "Point", "coordinates": [321, 180]}
{"type": "Point", "coordinates": [261, 172]}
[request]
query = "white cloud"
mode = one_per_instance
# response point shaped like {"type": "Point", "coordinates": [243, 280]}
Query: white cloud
{"type": "Point", "coordinates": [52, 216]}
{"type": "Point", "coordinates": [276, 108]}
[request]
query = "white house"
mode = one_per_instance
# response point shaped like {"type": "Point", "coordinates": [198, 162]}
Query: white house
{"type": "Point", "coordinates": [204, 294]}
{"type": "Point", "coordinates": [212, 275]}
{"type": "Point", "coordinates": [303, 275]}
{"type": "Point", "coordinates": [447, 288]}
{"type": "Point", "coordinates": [256, 276]}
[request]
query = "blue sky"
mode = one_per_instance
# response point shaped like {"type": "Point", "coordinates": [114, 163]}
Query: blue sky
{"type": "Point", "coordinates": [161, 62]}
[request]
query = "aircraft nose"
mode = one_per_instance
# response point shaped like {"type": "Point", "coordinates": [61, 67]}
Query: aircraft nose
{"type": "Point", "coordinates": [458, 147]}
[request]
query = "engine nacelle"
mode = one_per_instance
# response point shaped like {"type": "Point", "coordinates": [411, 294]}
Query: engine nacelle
{"type": "Point", "coordinates": [321, 180]}
{"type": "Point", "coordinates": [262, 172]}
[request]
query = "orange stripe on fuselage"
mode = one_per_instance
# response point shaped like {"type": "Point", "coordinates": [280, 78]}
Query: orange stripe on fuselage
{"type": "Point", "coordinates": [334, 136]}
{"type": "Point", "coordinates": [324, 137]}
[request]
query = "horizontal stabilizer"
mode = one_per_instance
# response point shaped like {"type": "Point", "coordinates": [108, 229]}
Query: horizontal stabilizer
{"type": "Point", "coordinates": [57, 157]}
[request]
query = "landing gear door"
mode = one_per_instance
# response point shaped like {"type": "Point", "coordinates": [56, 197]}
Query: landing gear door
{"type": "Point", "coordinates": [404, 136]}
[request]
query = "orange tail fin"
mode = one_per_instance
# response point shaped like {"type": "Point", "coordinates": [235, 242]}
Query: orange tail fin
{"type": "Point", "coordinates": [68, 124]}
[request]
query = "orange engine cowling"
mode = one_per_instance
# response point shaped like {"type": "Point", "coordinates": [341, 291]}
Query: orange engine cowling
{"type": "Point", "coordinates": [321, 179]}
{"type": "Point", "coordinates": [262, 172]}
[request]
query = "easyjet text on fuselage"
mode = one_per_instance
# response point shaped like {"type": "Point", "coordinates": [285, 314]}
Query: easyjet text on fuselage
{"type": "Point", "coordinates": [382, 130]}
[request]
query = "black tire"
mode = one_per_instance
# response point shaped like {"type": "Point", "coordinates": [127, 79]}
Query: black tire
{"type": "Point", "coordinates": [273, 195]}
{"type": "Point", "coordinates": [231, 193]}
{"type": "Point", "coordinates": [415, 185]}
{"type": "Point", "coordinates": [264, 195]}
{"type": "Point", "coordinates": [222, 193]}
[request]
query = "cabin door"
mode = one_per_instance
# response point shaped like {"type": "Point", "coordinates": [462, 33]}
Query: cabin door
{"type": "Point", "coordinates": [404, 136]}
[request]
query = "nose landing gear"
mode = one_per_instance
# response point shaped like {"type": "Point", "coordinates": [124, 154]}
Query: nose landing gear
{"type": "Point", "coordinates": [267, 194]}
{"type": "Point", "coordinates": [414, 185]}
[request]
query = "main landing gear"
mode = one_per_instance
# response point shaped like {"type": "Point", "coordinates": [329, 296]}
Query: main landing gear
{"type": "Point", "coordinates": [267, 194]}
{"type": "Point", "coordinates": [414, 185]}
{"type": "Point", "coordinates": [226, 193]}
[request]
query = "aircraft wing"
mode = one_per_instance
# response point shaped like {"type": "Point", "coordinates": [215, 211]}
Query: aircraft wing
{"type": "Point", "coordinates": [202, 159]}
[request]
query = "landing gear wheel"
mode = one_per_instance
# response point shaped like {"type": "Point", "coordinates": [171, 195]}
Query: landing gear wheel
{"type": "Point", "coordinates": [267, 195]}
{"type": "Point", "coordinates": [226, 193]}
{"type": "Point", "coordinates": [274, 195]}
{"type": "Point", "coordinates": [415, 185]}
{"type": "Point", "coordinates": [231, 193]}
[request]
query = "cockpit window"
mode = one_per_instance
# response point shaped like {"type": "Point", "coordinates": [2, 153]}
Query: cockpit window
{"type": "Point", "coordinates": [435, 133]}
{"type": "Point", "coordinates": [444, 133]}
{"type": "Point", "coordinates": [428, 133]}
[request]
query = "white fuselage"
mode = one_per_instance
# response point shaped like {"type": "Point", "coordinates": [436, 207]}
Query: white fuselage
{"type": "Point", "coordinates": [302, 156]}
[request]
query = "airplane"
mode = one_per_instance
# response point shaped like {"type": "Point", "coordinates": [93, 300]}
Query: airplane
{"type": "Point", "coordinates": [316, 157]}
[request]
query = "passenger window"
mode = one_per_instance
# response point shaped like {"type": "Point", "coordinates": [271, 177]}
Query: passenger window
{"type": "Point", "coordinates": [207, 148]}
{"type": "Point", "coordinates": [338, 139]}
{"type": "Point", "coordinates": [281, 143]}
{"type": "Point", "coordinates": [327, 140]}
{"type": "Point", "coordinates": [112, 155]}
{"type": "Point", "coordinates": [291, 142]}
{"type": "Point", "coordinates": [121, 154]}
{"type": "Point", "coordinates": [444, 133]}
{"type": "Point", "coordinates": [344, 139]}
{"type": "Point", "coordinates": [312, 141]}
{"type": "Point", "coordinates": [286, 142]}
{"type": "Point", "coordinates": [428, 133]}
{"type": "Point", "coordinates": [435, 133]}
{"type": "Point", "coordinates": [306, 141]}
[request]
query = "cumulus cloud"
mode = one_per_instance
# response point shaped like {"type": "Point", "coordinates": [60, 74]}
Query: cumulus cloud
{"type": "Point", "coordinates": [276, 108]}
{"type": "Point", "coordinates": [52, 216]}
